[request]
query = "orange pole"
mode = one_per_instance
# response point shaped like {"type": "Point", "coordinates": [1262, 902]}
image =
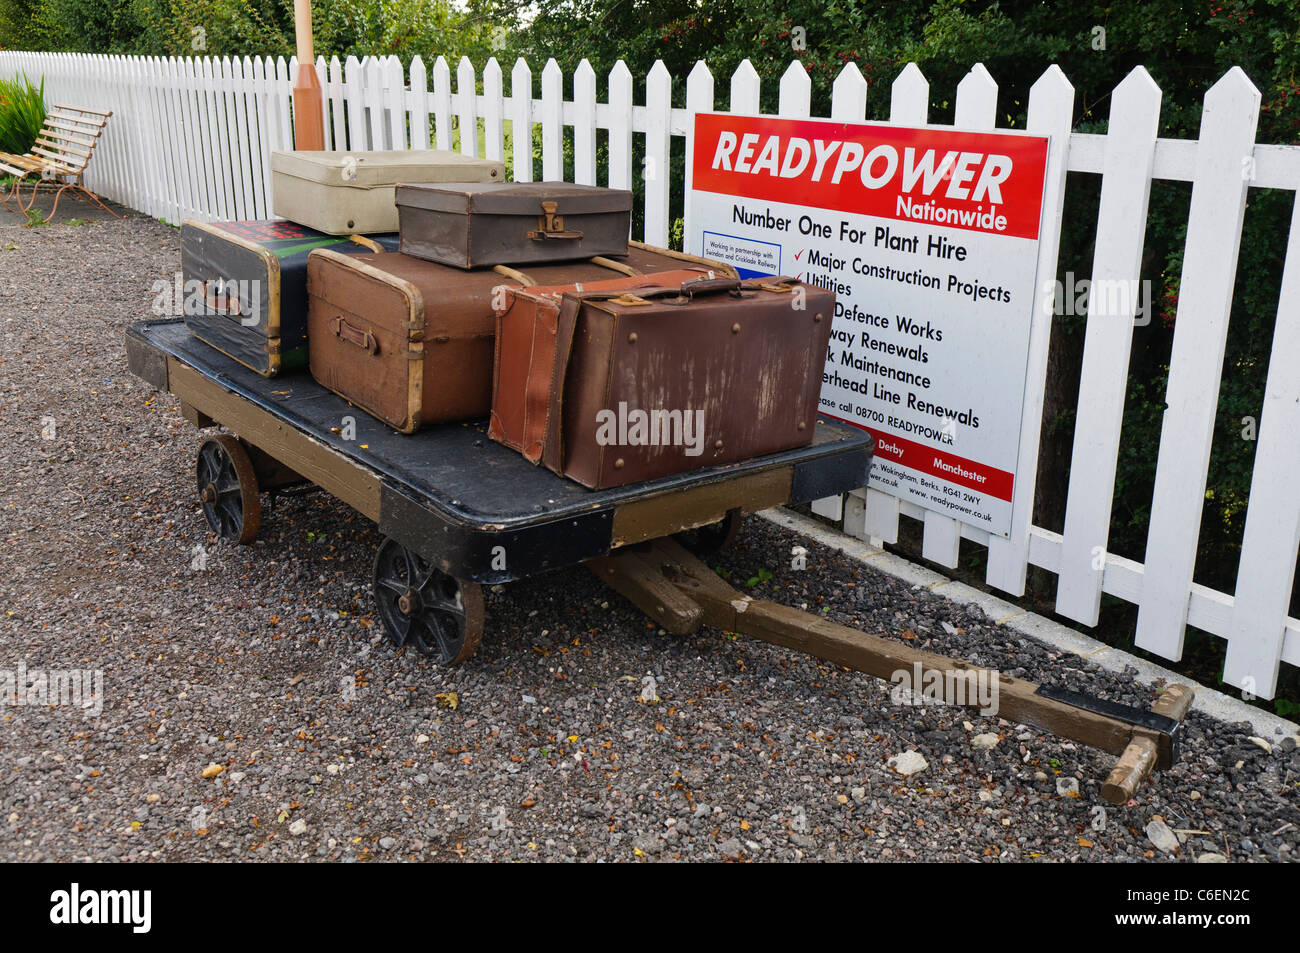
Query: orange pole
{"type": "Point", "coordinates": [308, 126]}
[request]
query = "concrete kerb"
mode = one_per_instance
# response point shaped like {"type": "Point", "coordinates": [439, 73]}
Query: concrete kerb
{"type": "Point", "coordinates": [1000, 612]}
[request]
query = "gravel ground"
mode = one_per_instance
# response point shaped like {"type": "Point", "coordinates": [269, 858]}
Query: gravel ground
{"type": "Point", "coordinates": [267, 662]}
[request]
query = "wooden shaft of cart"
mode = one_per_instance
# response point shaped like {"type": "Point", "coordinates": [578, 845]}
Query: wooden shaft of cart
{"type": "Point", "coordinates": [681, 593]}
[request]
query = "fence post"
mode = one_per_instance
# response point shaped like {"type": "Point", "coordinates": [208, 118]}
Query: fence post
{"type": "Point", "coordinates": [493, 112]}
{"type": "Point", "coordinates": [745, 89]}
{"type": "Point", "coordinates": [1051, 111]}
{"type": "Point", "coordinates": [552, 122]}
{"type": "Point", "coordinates": [584, 124]}
{"type": "Point", "coordinates": [1103, 381]}
{"type": "Point", "coordinates": [1218, 207]}
{"type": "Point", "coordinates": [441, 103]}
{"type": "Point", "coordinates": [467, 90]}
{"type": "Point", "coordinates": [699, 99]}
{"type": "Point", "coordinates": [521, 119]}
{"type": "Point", "coordinates": [658, 150]}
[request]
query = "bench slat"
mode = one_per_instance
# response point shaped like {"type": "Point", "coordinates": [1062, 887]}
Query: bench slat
{"type": "Point", "coordinates": [52, 125]}
{"type": "Point", "coordinates": [60, 163]}
{"type": "Point", "coordinates": [85, 109]}
{"type": "Point", "coordinates": [64, 147]}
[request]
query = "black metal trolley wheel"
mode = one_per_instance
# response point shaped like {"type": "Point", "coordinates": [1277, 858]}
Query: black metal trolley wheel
{"type": "Point", "coordinates": [228, 490]}
{"type": "Point", "coordinates": [421, 605]}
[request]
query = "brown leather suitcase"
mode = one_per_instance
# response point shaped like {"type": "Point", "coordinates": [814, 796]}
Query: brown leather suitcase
{"type": "Point", "coordinates": [525, 353]}
{"type": "Point", "coordinates": [411, 342]}
{"type": "Point", "coordinates": [478, 224]}
{"type": "Point", "coordinates": [658, 382]}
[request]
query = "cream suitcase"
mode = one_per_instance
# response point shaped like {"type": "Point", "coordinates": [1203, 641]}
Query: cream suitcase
{"type": "Point", "coordinates": [345, 193]}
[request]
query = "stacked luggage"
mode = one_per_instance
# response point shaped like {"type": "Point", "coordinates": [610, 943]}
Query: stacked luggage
{"type": "Point", "coordinates": [604, 360]}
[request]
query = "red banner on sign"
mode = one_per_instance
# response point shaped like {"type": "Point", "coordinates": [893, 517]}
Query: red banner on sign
{"type": "Point", "coordinates": [969, 180]}
{"type": "Point", "coordinates": [939, 464]}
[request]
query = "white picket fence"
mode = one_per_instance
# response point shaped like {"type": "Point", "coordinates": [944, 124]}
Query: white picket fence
{"type": "Point", "coordinates": [190, 139]}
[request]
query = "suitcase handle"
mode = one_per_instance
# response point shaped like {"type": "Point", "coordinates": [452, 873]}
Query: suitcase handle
{"type": "Point", "coordinates": [362, 339]}
{"type": "Point", "coordinates": [705, 286]}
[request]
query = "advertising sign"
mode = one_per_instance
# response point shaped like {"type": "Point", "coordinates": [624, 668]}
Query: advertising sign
{"type": "Point", "coordinates": [929, 239]}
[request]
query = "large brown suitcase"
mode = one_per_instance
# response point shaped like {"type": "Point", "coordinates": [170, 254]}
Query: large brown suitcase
{"type": "Point", "coordinates": [527, 321]}
{"type": "Point", "coordinates": [247, 287]}
{"type": "Point", "coordinates": [477, 224]}
{"type": "Point", "coordinates": [411, 342]}
{"type": "Point", "coordinates": [661, 382]}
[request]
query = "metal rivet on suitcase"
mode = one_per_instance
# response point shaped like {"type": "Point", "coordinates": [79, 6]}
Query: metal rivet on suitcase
{"type": "Point", "coordinates": [817, 317]}
{"type": "Point", "coordinates": [352, 224]}
{"type": "Point", "coordinates": [717, 445]}
{"type": "Point", "coordinates": [618, 464]}
{"type": "Point", "coordinates": [802, 425]}
{"type": "Point", "coordinates": [735, 329]}
{"type": "Point", "coordinates": [631, 338]}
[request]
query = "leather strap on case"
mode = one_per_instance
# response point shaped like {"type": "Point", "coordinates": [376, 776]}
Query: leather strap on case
{"type": "Point", "coordinates": [362, 339]}
{"type": "Point", "coordinates": [537, 387]}
{"type": "Point", "coordinates": [566, 323]}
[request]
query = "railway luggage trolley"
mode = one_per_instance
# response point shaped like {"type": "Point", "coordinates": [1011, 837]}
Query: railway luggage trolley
{"type": "Point", "coordinates": [459, 511]}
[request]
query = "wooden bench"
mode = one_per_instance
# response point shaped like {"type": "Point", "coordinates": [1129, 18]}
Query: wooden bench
{"type": "Point", "coordinates": [60, 155]}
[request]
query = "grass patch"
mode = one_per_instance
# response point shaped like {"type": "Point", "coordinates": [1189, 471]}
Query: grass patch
{"type": "Point", "coordinates": [22, 114]}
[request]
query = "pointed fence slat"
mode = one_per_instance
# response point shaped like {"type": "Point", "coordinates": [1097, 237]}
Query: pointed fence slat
{"type": "Point", "coordinates": [620, 127]}
{"type": "Point", "coordinates": [493, 112]}
{"type": "Point", "coordinates": [977, 108]}
{"type": "Point", "coordinates": [395, 101]}
{"type": "Point", "coordinates": [419, 104]}
{"type": "Point", "coordinates": [441, 104]}
{"type": "Point", "coordinates": [745, 89]}
{"type": "Point", "coordinates": [372, 71]}
{"type": "Point", "coordinates": [658, 148]}
{"type": "Point", "coordinates": [467, 114]}
{"type": "Point", "coordinates": [334, 93]}
{"type": "Point", "coordinates": [1051, 111]}
{"type": "Point", "coordinates": [552, 122]}
{"type": "Point", "coordinates": [909, 105]}
{"type": "Point", "coordinates": [1272, 537]}
{"type": "Point", "coordinates": [699, 99]}
{"type": "Point", "coordinates": [584, 124]}
{"type": "Point", "coordinates": [521, 120]}
{"type": "Point", "coordinates": [1196, 362]}
{"type": "Point", "coordinates": [358, 136]}
{"type": "Point", "coordinates": [1117, 264]}
{"type": "Point", "coordinates": [796, 92]}
{"type": "Point", "coordinates": [849, 95]}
